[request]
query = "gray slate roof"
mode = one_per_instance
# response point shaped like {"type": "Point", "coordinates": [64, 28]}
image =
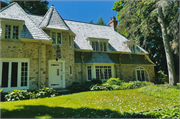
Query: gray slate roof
{"type": "Point", "coordinates": [53, 20]}
{"type": "Point", "coordinates": [30, 29]}
{"type": "Point", "coordinates": [99, 57]}
{"type": "Point", "coordinates": [86, 30]}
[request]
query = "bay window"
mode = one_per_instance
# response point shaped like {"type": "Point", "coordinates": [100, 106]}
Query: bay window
{"type": "Point", "coordinates": [99, 72]}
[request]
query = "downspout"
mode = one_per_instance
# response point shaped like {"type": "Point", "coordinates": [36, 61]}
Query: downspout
{"type": "Point", "coordinates": [120, 66]}
{"type": "Point", "coordinates": [39, 74]}
{"type": "Point", "coordinates": [82, 58]}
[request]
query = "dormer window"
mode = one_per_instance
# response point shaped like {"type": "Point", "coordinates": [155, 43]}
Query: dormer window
{"type": "Point", "coordinates": [98, 44]}
{"type": "Point", "coordinates": [56, 37]}
{"type": "Point", "coordinates": [11, 31]}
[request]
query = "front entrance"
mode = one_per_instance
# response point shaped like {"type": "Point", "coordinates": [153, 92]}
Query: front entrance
{"type": "Point", "coordinates": [56, 74]}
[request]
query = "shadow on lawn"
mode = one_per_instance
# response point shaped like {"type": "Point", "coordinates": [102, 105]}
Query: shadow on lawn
{"type": "Point", "coordinates": [32, 111]}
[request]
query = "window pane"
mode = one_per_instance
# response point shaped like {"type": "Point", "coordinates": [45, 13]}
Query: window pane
{"type": "Point", "coordinates": [70, 69]}
{"type": "Point", "coordinates": [142, 75]}
{"type": "Point", "coordinates": [105, 49]}
{"type": "Point", "coordinates": [59, 38]}
{"type": "Point", "coordinates": [8, 31]}
{"type": "Point", "coordinates": [105, 73]}
{"type": "Point", "coordinates": [69, 40]}
{"type": "Point", "coordinates": [89, 73]}
{"type": "Point", "coordinates": [97, 46]}
{"type": "Point", "coordinates": [14, 74]}
{"type": "Point", "coordinates": [54, 37]}
{"type": "Point", "coordinates": [102, 73]}
{"type": "Point", "coordinates": [138, 75]}
{"type": "Point", "coordinates": [93, 46]}
{"type": "Point", "coordinates": [5, 72]}
{"type": "Point", "coordinates": [101, 46]}
{"type": "Point", "coordinates": [109, 72]}
{"type": "Point", "coordinates": [15, 32]}
{"type": "Point", "coordinates": [97, 74]}
{"type": "Point", "coordinates": [24, 73]}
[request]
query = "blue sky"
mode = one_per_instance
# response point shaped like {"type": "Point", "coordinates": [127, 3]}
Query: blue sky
{"type": "Point", "coordinates": [84, 10]}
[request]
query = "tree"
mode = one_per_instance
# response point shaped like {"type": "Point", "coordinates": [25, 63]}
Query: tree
{"type": "Point", "coordinates": [3, 4]}
{"type": "Point", "coordinates": [145, 22]}
{"type": "Point", "coordinates": [38, 7]}
{"type": "Point", "coordinates": [100, 21]}
{"type": "Point", "coordinates": [91, 22]}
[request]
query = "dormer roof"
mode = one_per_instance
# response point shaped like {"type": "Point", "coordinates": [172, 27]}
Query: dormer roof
{"type": "Point", "coordinates": [53, 20]}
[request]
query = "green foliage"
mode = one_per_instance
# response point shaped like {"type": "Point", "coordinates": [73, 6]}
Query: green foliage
{"type": "Point", "coordinates": [100, 21]}
{"type": "Point", "coordinates": [3, 4]}
{"type": "Point", "coordinates": [45, 92]}
{"type": "Point", "coordinates": [138, 20]}
{"type": "Point", "coordinates": [118, 5]}
{"type": "Point", "coordinates": [39, 7]}
{"type": "Point", "coordinates": [160, 77]}
{"type": "Point", "coordinates": [114, 81]}
{"type": "Point", "coordinates": [101, 87]}
{"type": "Point", "coordinates": [91, 22]}
{"type": "Point", "coordinates": [25, 94]}
{"type": "Point", "coordinates": [18, 95]}
{"type": "Point", "coordinates": [162, 91]}
{"type": "Point", "coordinates": [79, 87]}
{"type": "Point", "coordinates": [1, 90]}
{"type": "Point", "coordinates": [96, 81]}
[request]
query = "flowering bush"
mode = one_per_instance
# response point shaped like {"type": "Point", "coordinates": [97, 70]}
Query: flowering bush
{"type": "Point", "coordinates": [24, 94]}
{"type": "Point", "coordinates": [18, 95]}
{"type": "Point", "coordinates": [101, 87]}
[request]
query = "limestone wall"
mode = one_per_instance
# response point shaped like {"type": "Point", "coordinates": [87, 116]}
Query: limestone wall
{"type": "Point", "coordinates": [79, 72]}
{"type": "Point", "coordinates": [128, 72]}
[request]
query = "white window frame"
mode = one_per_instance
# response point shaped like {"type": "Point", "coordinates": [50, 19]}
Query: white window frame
{"type": "Point", "coordinates": [98, 47]}
{"type": "Point", "coordinates": [56, 37]}
{"type": "Point", "coordinates": [145, 72]}
{"type": "Point", "coordinates": [19, 87]}
{"type": "Point", "coordinates": [93, 70]}
{"type": "Point", "coordinates": [11, 32]}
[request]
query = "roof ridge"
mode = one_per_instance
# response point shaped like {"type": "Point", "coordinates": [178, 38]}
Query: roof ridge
{"type": "Point", "coordinates": [45, 16]}
{"type": "Point", "coordinates": [8, 6]}
{"type": "Point", "coordinates": [86, 22]}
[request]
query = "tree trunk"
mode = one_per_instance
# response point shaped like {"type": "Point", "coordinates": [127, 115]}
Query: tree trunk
{"type": "Point", "coordinates": [167, 48]}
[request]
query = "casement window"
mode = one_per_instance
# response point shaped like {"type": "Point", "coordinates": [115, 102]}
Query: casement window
{"type": "Point", "coordinates": [11, 32]}
{"type": "Point", "coordinates": [89, 72]}
{"type": "Point", "coordinates": [57, 38]}
{"type": "Point", "coordinates": [99, 46]}
{"type": "Point", "coordinates": [15, 74]}
{"type": "Point", "coordinates": [100, 72]}
{"type": "Point", "coordinates": [70, 41]}
{"type": "Point", "coordinates": [103, 72]}
{"type": "Point", "coordinates": [141, 74]}
{"type": "Point", "coordinates": [71, 70]}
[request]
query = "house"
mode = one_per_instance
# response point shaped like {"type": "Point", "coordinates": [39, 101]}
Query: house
{"type": "Point", "coordinates": [49, 51]}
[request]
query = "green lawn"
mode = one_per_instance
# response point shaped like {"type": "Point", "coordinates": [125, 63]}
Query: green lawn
{"type": "Point", "coordinates": [84, 103]}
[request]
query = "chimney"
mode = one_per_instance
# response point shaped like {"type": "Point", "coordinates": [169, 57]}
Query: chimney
{"type": "Point", "coordinates": [113, 22]}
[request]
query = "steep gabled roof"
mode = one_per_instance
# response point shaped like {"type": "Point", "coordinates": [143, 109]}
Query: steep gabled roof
{"type": "Point", "coordinates": [86, 30]}
{"type": "Point", "coordinates": [53, 20]}
{"type": "Point", "coordinates": [30, 29]}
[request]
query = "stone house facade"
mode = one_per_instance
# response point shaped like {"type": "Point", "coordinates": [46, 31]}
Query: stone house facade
{"type": "Point", "coordinates": [47, 50]}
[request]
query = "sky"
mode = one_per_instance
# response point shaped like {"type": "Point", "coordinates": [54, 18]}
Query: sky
{"type": "Point", "coordinates": [85, 10]}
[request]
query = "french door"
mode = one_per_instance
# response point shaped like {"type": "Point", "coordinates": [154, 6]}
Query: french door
{"type": "Point", "coordinates": [14, 74]}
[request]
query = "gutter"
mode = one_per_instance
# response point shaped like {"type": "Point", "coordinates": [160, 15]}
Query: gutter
{"type": "Point", "coordinates": [39, 61]}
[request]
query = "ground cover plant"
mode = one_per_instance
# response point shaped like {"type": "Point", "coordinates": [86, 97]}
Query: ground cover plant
{"type": "Point", "coordinates": [87, 104]}
{"type": "Point", "coordinates": [162, 91]}
{"type": "Point", "coordinates": [30, 94]}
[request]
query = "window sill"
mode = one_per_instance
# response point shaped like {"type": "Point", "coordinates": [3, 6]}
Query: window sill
{"type": "Point", "coordinates": [56, 44]}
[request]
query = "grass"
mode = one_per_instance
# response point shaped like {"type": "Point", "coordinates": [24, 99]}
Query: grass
{"type": "Point", "coordinates": [162, 91]}
{"type": "Point", "coordinates": [90, 103]}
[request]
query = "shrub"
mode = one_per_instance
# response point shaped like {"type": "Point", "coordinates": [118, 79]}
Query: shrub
{"type": "Point", "coordinates": [27, 94]}
{"type": "Point", "coordinates": [78, 87]}
{"type": "Point", "coordinates": [96, 81]}
{"type": "Point", "coordinates": [114, 81]}
{"type": "Point", "coordinates": [45, 92]}
{"type": "Point", "coordinates": [160, 77]}
{"type": "Point", "coordinates": [101, 87]}
{"type": "Point", "coordinates": [18, 95]}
